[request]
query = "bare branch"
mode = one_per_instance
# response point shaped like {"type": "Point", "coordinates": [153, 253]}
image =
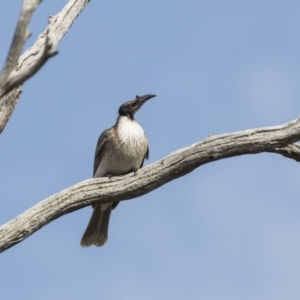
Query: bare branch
{"type": "Point", "coordinates": [35, 57]}
{"type": "Point", "coordinates": [17, 78]}
{"type": "Point", "coordinates": [20, 37]}
{"type": "Point", "coordinates": [269, 139]}
{"type": "Point", "coordinates": [8, 102]}
{"type": "Point", "coordinates": [290, 151]}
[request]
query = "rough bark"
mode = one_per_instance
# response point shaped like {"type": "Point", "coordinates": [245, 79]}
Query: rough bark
{"type": "Point", "coordinates": [276, 139]}
{"type": "Point", "coordinates": [19, 39]}
{"type": "Point", "coordinates": [17, 70]}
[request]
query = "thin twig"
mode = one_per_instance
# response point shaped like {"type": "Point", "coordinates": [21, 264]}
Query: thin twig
{"type": "Point", "coordinates": [20, 36]}
{"type": "Point", "coordinates": [16, 78]}
{"type": "Point", "coordinates": [35, 57]}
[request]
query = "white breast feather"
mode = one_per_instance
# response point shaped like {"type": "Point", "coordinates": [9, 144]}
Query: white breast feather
{"type": "Point", "coordinates": [130, 132]}
{"type": "Point", "coordinates": [129, 154]}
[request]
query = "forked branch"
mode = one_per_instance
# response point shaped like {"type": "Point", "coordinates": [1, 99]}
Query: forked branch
{"type": "Point", "coordinates": [18, 69]}
{"type": "Point", "coordinates": [21, 34]}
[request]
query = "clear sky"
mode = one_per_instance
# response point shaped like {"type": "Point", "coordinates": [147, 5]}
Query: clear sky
{"type": "Point", "coordinates": [230, 229]}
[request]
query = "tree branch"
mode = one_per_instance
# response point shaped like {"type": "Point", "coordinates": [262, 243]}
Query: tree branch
{"type": "Point", "coordinates": [270, 139]}
{"type": "Point", "coordinates": [290, 151]}
{"type": "Point", "coordinates": [19, 39]}
{"type": "Point", "coordinates": [16, 78]}
{"type": "Point", "coordinates": [35, 57]}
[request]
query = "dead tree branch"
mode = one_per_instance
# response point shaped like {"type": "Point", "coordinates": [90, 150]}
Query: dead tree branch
{"type": "Point", "coordinates": [17, 70]}
{"type": "Point", "coordinates": [16, 78]}
{"type": "Point", "coordinates": [19, 39]}
{"type": "Point", "coordinates": [275, 139]}
{"type": "Point", "coordinates": [291, 151]}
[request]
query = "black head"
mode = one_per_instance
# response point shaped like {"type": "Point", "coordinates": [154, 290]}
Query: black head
{"type": "Point", "coordinates": [131, 107]}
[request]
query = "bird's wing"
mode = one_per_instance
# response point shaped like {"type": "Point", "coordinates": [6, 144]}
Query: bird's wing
{"type": "Point", "coordinates": [146, 156]}
{"type": "Point", "coordinates": [100, 148]}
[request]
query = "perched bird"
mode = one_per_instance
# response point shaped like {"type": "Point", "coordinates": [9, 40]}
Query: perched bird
{"type": "Point", "coordinates": [121, 149]}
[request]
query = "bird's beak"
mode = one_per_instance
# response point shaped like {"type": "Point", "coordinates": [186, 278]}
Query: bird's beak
{"type": "Point", "coordinates": [140, 100]}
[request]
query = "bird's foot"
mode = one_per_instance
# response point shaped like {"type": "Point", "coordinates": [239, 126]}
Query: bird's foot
{"type": "Point", "coordinates": [134, 170]}
{"type": "Point", "coordinates": [109, 176]}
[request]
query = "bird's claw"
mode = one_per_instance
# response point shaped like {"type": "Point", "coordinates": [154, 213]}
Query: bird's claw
{"type": "Point", "coordinates": [109, 176]}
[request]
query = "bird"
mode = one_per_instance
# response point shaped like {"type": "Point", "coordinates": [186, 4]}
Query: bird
{"type": "Point", "coordinates": [120, 150]}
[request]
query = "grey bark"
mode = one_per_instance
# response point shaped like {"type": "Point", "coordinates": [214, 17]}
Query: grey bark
{"type": "Point", "coordinates": [277, 139]}
{"type": "Point", "coordinates": [19, 39]}
{"type": "Point", "coordinates": [17, 70]}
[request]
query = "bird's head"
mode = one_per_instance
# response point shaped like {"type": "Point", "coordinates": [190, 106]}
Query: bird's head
{"type": "Point", "coordinates": [131, 107]}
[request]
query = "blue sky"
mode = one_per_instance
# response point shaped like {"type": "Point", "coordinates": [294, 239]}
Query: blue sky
{"type": "Point", "coordinates": [230, 229]}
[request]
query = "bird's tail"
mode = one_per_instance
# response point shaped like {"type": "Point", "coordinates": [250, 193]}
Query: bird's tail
{"type": "Point", "coordinates": [97, 229]}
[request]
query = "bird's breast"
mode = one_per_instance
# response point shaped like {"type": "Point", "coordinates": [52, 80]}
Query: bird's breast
{"type": "Point", "coordinates": [131, 135]}
{"type": "Point", "coordinates": [126, 152]}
